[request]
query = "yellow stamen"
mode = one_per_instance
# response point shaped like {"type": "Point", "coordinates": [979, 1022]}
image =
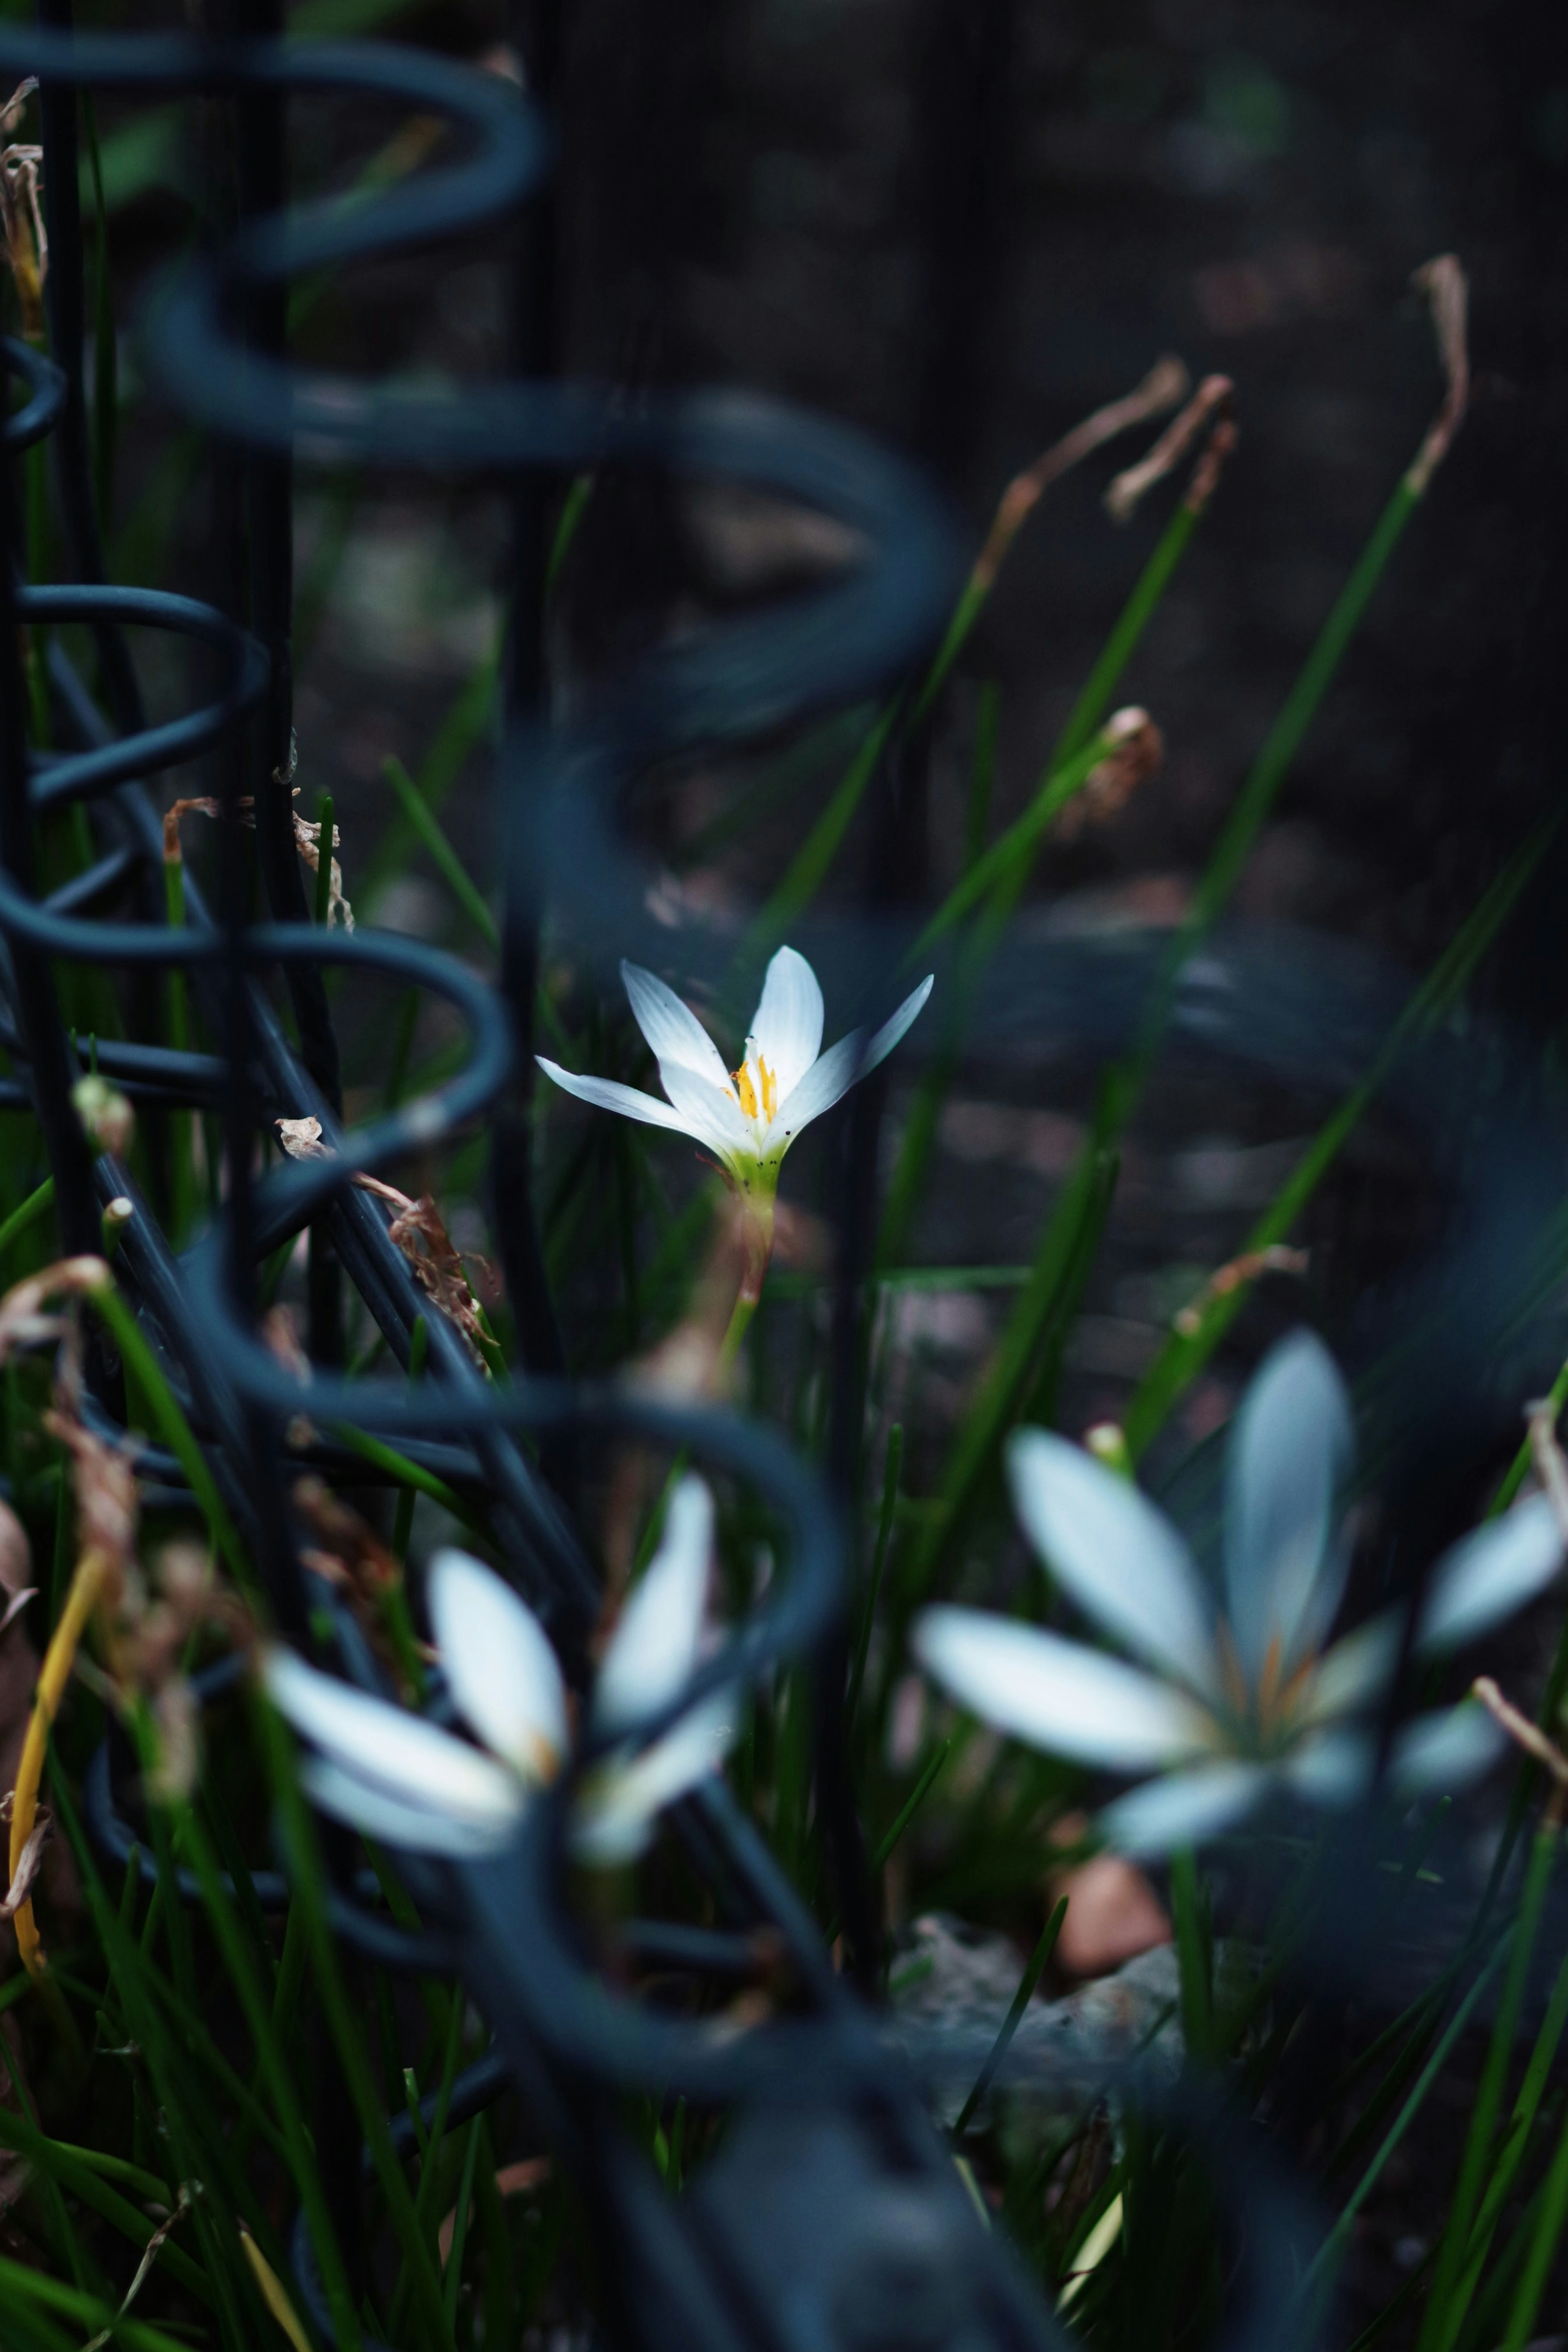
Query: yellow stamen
{"type": "Point", "coordinates": [770, 1088]}
{"type": "Point", "coordinates": [745, 1089]}
{"type": "Point", "coordinates": [92, 1570]}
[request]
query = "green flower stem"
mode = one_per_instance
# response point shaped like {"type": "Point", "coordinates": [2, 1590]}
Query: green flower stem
{"type": "Point", "coordinates": [738, 1325]}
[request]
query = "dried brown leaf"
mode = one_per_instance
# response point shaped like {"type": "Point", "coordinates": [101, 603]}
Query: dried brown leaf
{"type": "Point", "coordinates": [1137, 751]}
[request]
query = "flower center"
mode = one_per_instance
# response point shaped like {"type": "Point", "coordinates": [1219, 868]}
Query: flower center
{"type": "Point", "coordinates": [765, 1086]}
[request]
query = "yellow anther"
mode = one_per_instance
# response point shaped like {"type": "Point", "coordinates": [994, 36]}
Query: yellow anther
{"type": "Point", "coordinates": [746, 1090]}
{"type": "Point", "coordinates": [770, 1088]}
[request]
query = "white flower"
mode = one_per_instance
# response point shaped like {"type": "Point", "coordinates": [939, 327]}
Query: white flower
{"type": "Point", "coordinates": [749, 1117]}
{"type": "Point", "coordinates": [1246, 1701]}
{"type": "Point", "coordinates": [398, 1778]}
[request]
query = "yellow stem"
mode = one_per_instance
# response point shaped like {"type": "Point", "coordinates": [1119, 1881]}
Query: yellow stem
{"type": "Point", "coordinates": [59, 1659]}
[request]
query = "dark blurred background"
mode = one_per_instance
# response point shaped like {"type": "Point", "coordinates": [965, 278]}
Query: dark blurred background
{"type": "Point", "coordinates": [966, 223]}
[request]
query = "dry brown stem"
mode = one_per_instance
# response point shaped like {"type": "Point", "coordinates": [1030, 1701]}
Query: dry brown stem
{"type": "Point", "coordinates": [25, 1877]}
{"type": "Point", "coordinates": [198, 805]}
{"type": "Point", "coordinates": [1528, 1736]}
{"type": "Point", "coordinates": [1447, 289]}
{"type": "Point", "coordinates": [1547, 1456]}
{"type": "Point", "coordinates": [1165, 384]}
{"type": "Point", "coordinates": [1211, 404]}
{"type": "Point", "coordinates": [1278, 1258]}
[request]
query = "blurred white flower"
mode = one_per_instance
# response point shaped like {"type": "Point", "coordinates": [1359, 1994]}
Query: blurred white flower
{"type": "Point", "coordinates": [1246, 1700]}
{"type": "Point", "coordinates": [400, 1779]}
{"type": "Point", "coordinates": [749, 1117]}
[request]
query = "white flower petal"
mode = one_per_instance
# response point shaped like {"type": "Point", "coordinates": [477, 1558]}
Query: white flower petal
{"type": "Point", "coordinates": [1487, 1575]}
{"type": "Point", "coordinates": [884, 1039]}
{"type": "Point", "coordinates": [1119, 1558]}
{"type": "Point", "coordinates": [1445, 1750]}
{"type": "Point", "coordinates": [654, 1647]}
{"type": "Point", "coordinates": [716, 1116]}
{"type": "Point", "coordinates": [1066, 1699]}
{"type": "Point", "coordinates": [1354, 1673]}
{"type": "Point", "coordinates": [787, 1029]}
{"type": "Point", "coordinates": [394, 1821]}
{"type": "Point", "coordinates": [1331, 1767]}
{"type": "Point", "coordinates": [1290, 1449]}
{"type": "Point", "coordinates": [500, 1669]}
{"type": "Point", "coordinates": [1184, 1807]}
{"type": "Point", "coordinates": [399, 1755]}
{"type": "Point", "coordinates": [608, 1094]}
{"type": "Point", "coordinates": [831, 1077]}
{"type": "Point", "coordinates": [671, 1028]}
{"type": "Point", "coordinates": [825, 1083]}
{"type": "Point", "coordinates": [612, 1817]}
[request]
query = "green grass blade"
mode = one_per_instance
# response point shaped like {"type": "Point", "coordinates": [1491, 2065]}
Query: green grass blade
{"type": "Point", "coordinates": [979, 1436]}
{"type": "Point", "coordinates": [1320, 2270]}
{"type": "Point", "coordinates": [809, 868]}
{"type": "Point", "coordinates": [469, 715]}
{"type": "Point", "coordinates": [142, 1366]}
{"type": "Point", "coordinates": [248, 1985]}
{"type": "Point", "coordinates": [305, 1871]}
{"type": "Point", "coordinates": [1134, 617]}
{"type": "Point", "coordinates": [424, 823]}
{"type": "Point", "coordinates": [20, 1220]}
{"type": "Point", "coordinates": [1446, 2308]}
{"type": "Point", "coordinates": [1014, 2019]}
